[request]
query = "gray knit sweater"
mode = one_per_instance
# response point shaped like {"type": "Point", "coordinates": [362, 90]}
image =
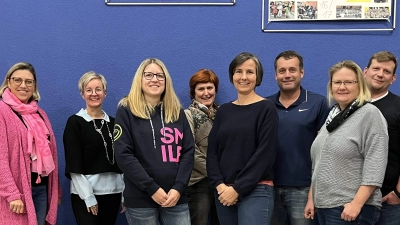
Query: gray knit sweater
{"type": "Point", "coordinates": [354, 154]}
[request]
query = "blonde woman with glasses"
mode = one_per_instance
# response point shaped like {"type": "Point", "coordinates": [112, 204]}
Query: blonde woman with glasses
{"type": "Point", "coordinates": [29, 186]}
{"type": "Point", "coordinates": [349, 154]}
{"type": "Point", "coordinates": [154, 148]}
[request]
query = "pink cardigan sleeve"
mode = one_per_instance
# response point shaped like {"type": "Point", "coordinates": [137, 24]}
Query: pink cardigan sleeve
{"type": "Point", "coordinates": [8, 187]}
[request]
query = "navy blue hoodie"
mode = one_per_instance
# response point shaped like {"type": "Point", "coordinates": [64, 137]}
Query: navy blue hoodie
{"type": "Point", "coordinates": [146, 169]}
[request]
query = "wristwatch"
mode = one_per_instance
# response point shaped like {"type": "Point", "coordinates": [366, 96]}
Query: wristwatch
{"type": "Point", "coordinates": [396, 192]}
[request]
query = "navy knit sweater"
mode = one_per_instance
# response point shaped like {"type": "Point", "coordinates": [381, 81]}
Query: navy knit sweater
{"type": "Point", "coordinates": [242, 145]}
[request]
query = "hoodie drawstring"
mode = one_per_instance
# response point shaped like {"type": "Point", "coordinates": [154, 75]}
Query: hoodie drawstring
{"type": "Point", "coordinates": [152, 127]}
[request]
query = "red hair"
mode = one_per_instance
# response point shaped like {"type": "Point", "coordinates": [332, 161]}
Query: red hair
{"type": "Point", "coordinates": [203, 76]}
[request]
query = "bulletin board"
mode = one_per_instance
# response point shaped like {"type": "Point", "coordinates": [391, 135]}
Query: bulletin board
{"type": "Point", "coordinates": [346, 15]}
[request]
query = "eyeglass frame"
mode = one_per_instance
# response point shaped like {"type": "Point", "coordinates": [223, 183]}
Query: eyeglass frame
{"type": "Point", "coordinates": [153, 74]}
{"type": "Point", "coordinates": [96, 91]}
{"type": "Point", "coordinates": [23, 81]}
{"type": "Point", "coordinates": [347, 82]}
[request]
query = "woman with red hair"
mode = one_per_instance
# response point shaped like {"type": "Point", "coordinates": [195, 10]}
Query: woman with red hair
{"type": "Point", "coordinates": [201, 113]}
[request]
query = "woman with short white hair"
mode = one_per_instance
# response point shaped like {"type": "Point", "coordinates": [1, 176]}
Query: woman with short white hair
{"type": "Point", "coordinates": [96, 181]}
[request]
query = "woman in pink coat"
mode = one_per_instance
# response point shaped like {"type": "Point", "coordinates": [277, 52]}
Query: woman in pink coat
{"type": "Point", "coordinates": [29, 187]}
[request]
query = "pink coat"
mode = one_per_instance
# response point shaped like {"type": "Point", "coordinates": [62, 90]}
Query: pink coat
{"type": "Point", "coordinates": [15, 172]}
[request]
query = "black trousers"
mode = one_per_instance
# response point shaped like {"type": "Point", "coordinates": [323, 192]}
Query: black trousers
{"type": "Point", "coordinates": [108, 207]}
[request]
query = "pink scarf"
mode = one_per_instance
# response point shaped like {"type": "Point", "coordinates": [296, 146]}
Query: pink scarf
{"type": "Point", "coordinates": [38, 144]}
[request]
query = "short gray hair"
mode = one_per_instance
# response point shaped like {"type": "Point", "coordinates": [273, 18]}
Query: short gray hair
{"type": "Point", "coordinates": [87, 77]}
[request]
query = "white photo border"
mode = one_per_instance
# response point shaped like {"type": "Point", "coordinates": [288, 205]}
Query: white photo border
{"type": "Point", "coordinates": [149, 3]}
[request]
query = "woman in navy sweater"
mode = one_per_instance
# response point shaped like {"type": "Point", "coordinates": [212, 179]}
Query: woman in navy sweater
{"type": "Point", "coordinates": [154, 148]}
{"type": "Point", "coordinates": [242, 148]}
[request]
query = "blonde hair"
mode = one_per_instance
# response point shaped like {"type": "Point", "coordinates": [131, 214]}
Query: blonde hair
{"type": "Point", "coordinates": [364, 94]}
{"type": "Point", "coordinates": [137, 103]}
{"type": "Point", "coordinates": [21, 66]}
{"type": "Point", "coordinates": [87, 77]}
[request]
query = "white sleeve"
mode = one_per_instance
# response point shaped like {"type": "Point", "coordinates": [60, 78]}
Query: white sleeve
{"type": "Point", "coordinates": [84, 189]}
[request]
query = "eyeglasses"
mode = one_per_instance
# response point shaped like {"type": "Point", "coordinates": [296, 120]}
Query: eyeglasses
{"type": "Point", "coordinates": [18, 81]}
{"type": "Point", "coordinates": [96, 91]}
{"type": "Point", "coordinates": [346, 83]}
{"type": "Point", "coordinates": [150, 75]}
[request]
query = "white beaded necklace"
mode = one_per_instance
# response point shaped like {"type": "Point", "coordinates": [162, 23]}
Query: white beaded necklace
{"type": "Point", "coordinates": [104, 141]}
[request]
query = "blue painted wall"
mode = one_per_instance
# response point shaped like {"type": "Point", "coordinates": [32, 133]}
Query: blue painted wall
{"type": "Point", "coordinates": [63, 39]}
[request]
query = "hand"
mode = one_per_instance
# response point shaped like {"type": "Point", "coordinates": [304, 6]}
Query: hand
{"type": "Point", "coordinates": [17, 206]}
{"type": "Point", "coordinates": [123, 209]}
{"type": "Point", "coordinates": [228, 196]}
{"type": "Point", "coordinates": [173, 198]}
{"type": "Point", "coordinates": [309, 210]}
{"type": "Point", "coordinates": [391, 199]}
{"type": "Point", "coordinates": [160, 196]}
{"type": "Point", "coordinates": [351, 211]}
{"type": "Point", "coordinates": [59, 201]}
{"type": "Point", "coordinates": [93, 209]}
{"type": "Point", "coordinates": [220, 188]}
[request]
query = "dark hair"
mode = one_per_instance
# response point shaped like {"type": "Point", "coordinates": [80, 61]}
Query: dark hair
{"type": "Point", "coordinates": [203, 76]}
{"type": "Point", "coordinates": [289, 55]}
{"type": "Point", "coordinates": [384, 56]}
{"type": "Point", "coordinates": [240, 59]}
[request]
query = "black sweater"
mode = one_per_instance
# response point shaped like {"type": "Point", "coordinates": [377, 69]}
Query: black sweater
{"type": "Point", "coordinates": [390, 108]}
{"type": "Point", "coordinates": [147, 169]}
{"type": "Point", "coordinates": [242, 145]}
{"type": "Point", "coordinates": [84, 148]}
